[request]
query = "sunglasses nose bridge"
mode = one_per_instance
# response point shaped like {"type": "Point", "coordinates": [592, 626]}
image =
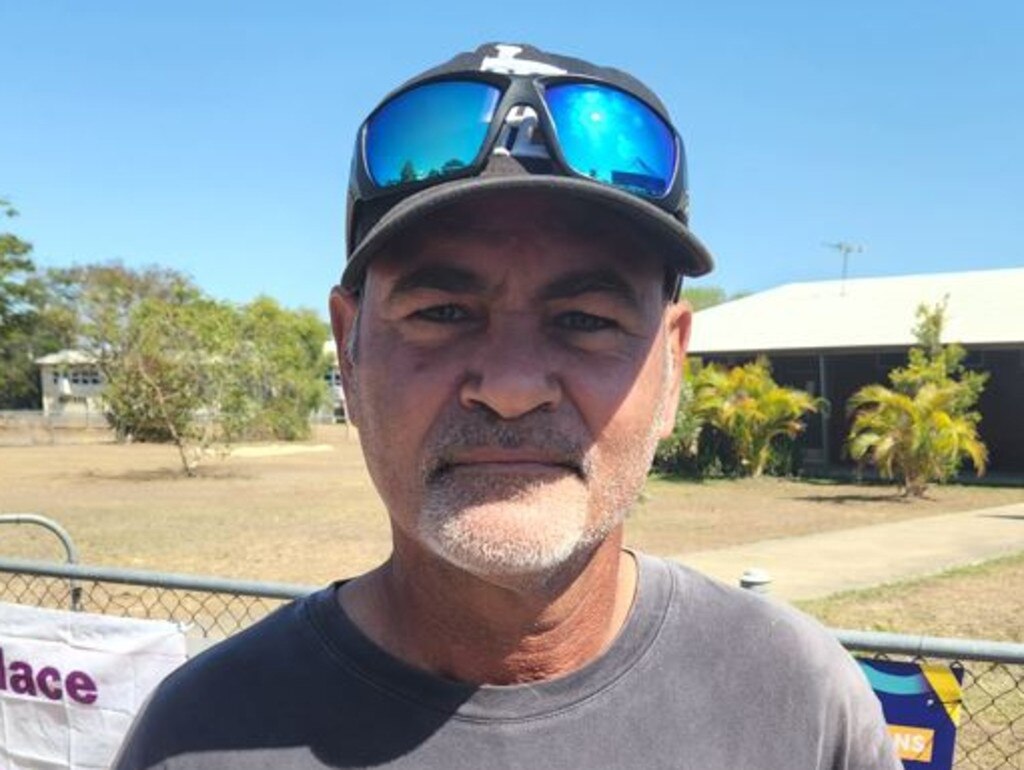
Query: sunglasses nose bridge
{"type": "Point", "coordinates": [521, 134]}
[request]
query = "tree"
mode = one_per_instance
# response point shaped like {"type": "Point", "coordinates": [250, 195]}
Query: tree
{"type": "Point", "coordinates": [16, 266]}
{"type": "Point", "coordinates": [930, 361]}
{"type": "Point", "coordinates": [173, 374]}
{"type": "Point", "coordinates": [749, 407]}
{"type": "Point", "coordinates": [284, 364]}
{"type": "Point", "coordinates": [913, 439]}
{"type": "Point", "coordinates": [199, 373]}
{"type": "Point", "coordinates": [104, 296]}
{"type": "Point", "coordinates": [702, 297]}
{"type": "Point", "coordinates": [185, 369]}
{"type": "Point", "coordinates": [925, 426]}
{"type": "Point", "coordinates": [17, 317]}
{"type": "Point", "coordinates": [30, 326]}
{"type": "Point", "coordinates": [104, 302]}
{"type": "Point", "coordinates": [677, 454]}
{"type": "Point", "coordinates": [408, 172]}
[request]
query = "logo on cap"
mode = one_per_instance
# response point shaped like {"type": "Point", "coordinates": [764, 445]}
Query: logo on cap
{"type": "Point", "coordinates": [507, 63]}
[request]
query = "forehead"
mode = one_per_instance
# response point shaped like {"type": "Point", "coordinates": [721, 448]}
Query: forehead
{"type": "Point", "coordinates": [527, 236]}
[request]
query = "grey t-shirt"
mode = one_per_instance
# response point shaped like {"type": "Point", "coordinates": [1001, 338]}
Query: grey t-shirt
{"type": "Point", "coordinates": [701, 677]}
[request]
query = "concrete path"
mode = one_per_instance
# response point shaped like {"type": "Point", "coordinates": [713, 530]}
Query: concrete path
{"type": "Point", "coordinates": [818, 565]}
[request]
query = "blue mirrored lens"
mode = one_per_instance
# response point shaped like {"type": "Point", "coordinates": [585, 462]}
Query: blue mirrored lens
{"type": "Point", "coordinates": [613, 137]}
{"type": "Point", "coordinates": [433, 130]}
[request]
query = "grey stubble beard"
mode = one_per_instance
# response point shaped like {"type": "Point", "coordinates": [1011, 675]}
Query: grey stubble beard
{"type": "Point", "coordinates": [526, 532]}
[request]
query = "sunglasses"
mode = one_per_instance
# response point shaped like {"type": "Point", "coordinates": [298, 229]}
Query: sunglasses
{"type": "Point", "coordinates": [447, 128]}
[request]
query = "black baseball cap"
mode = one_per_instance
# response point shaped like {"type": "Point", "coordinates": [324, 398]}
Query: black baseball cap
{"type": "Point", "coordinates": [373, 219]}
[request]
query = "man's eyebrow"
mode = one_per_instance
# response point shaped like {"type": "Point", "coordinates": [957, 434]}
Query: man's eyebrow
{"type": "Point", "coordinates": [606, 281]}
{"type": "Point", "coordinates": [456, 280]}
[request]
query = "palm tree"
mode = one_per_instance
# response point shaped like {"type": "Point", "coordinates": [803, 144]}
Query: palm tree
{"type": "Point", "coordinates": [746, 404]}
{"type": "Point", "coordinates": [914, 439]}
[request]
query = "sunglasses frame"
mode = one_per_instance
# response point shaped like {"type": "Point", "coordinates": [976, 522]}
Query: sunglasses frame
{"type": "Point", "coordinates": [515, 91]}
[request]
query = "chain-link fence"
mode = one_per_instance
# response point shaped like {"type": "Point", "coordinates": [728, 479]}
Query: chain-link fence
{"type": "Point", "coordinates": [991, 734]}
{"type": "Point", "coordinates": [209, 608]}
{"type": "Point", "coordinates": [991, 731]}
{"type": "Point", "coordinates": [990, 737]}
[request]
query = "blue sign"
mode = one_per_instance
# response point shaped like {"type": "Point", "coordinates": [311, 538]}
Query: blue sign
{"type": "Point", "coordinates": [921, 703]}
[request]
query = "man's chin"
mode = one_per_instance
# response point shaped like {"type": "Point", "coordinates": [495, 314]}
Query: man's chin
{"type": "Point", "coordinates": [532, 531]}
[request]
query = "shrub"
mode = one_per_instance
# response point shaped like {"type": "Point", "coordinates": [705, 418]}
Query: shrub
{"type": "Point", "coordinates": [734, 422]}
{"type": "Point", "coordinates": [745, 404]}
{"type": "Point", "coordinates": [925, 426]}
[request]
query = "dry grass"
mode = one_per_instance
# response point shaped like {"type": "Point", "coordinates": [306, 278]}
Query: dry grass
{"type": "Point", "coordinates": [314, 516]}
{"type": "Point", "coordinates": [678, 517]}
{"type": "Point", "coordinates": [983, 601]}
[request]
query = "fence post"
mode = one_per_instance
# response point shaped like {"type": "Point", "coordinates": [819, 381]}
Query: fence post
{"type": "Point", "coordinates": [757, 580]}
{"type": "Point", "coordinates": [65, 538]}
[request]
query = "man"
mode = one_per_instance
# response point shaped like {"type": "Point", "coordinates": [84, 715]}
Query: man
{"type": "Point", "coordinates": [511, 349]}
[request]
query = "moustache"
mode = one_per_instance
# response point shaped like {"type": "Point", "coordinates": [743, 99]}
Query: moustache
{"type": "Point", "coordinates": [454, 440]}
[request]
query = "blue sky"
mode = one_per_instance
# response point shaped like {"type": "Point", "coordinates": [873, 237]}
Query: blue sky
{"type": "Point", "coordinates": [215, 137]}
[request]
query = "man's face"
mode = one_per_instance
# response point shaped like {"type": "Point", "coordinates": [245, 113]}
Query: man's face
{"type": "Point", "coordinates": [514, 365]}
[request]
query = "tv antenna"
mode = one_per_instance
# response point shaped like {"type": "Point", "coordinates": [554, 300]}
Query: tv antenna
{"type": "Point", "coordinates": [846, 249]}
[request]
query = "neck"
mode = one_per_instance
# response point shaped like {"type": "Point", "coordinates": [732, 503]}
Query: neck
{"type": "Point", "coordinates": [433, 616]}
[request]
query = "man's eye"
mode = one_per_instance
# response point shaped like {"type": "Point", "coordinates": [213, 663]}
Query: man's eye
{"type": "Point", "coordinates": [442, 314]}
{"type": "Point", "coordinates": [578, 321]}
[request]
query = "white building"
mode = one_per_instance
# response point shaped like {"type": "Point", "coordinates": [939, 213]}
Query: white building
{"type": "Point", "coordinates": [337, 406]}
{"type": "Point", "coordinates": [832, 337]}
{"type": "Point", "coordinates": [71, 383]}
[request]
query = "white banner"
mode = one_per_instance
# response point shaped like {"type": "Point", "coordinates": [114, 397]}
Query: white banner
{"type": "Point", "coordinates": [71, 683]}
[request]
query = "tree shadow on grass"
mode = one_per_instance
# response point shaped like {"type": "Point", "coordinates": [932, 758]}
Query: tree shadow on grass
{"type": "Point", "coordinates": [894, 498]}
{"type": "Point", "coordinates": [168, 474]}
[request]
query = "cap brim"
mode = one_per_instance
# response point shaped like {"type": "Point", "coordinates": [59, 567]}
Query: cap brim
{"type": "Point", "coordinates": [679, 246]}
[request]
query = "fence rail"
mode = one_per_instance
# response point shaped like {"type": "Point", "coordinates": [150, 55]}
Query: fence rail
{"type": "Point", "coordinates": [211, 608]}
{"type": "Point", "coordinates": [35, 428]}
{"type": "Point", "coordinates": [991, 734]}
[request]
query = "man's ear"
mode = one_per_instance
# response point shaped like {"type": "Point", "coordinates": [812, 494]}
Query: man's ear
{"type": "Point", "coordinates": [344, 310]}
{"type": "Point", "coordinates": [677, 320]}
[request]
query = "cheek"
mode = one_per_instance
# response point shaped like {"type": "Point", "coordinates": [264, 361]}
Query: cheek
{"type": "Point", "coordinates": [619, 396]}
{"type": "Point", "coordinates": [400, 393]}
{"type": "Point", "coordinates": [625, 415]}
{"type": "Point", "coordinates": [624, 448]}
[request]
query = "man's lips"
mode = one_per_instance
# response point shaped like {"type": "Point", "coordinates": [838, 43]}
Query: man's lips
{"type": "Point", "coordinates": [522, 469]}
{"type": "Point", "coordinates": [526, 462]}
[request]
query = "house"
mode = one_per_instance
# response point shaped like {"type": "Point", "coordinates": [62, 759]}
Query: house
{"type": "Point", "coordinates": [71, 383]}
{"type": "Point", "coordinates": [336, 409]}
{"type": "Point", "coordinates": [832, 337]}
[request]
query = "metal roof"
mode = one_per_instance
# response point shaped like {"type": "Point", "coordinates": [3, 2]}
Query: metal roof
{"type": "Point", "coordinates": [984, 306]}
{"type": "Point", "coordinates": [66, 358]}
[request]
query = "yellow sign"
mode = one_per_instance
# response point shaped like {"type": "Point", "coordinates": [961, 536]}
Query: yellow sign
{"type": "Point", "coordinates": [914, 743]}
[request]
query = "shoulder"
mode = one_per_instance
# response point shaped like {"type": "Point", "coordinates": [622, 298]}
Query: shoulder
{"type": "Point", "coordinates": [259, 652]}
{"type": "Point", "coordinates": [221, 691]}
{"type": "Point", "coordinates": [761, 649]}
{"type": "Point", "coordinates": [749, 623]}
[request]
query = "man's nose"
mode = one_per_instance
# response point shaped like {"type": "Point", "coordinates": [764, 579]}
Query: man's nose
{"type": "Point", "coordinates": [510, 373]}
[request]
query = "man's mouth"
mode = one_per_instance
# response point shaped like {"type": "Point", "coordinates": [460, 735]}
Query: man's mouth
{"type": "Point", "coordinates": [521, 462]}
